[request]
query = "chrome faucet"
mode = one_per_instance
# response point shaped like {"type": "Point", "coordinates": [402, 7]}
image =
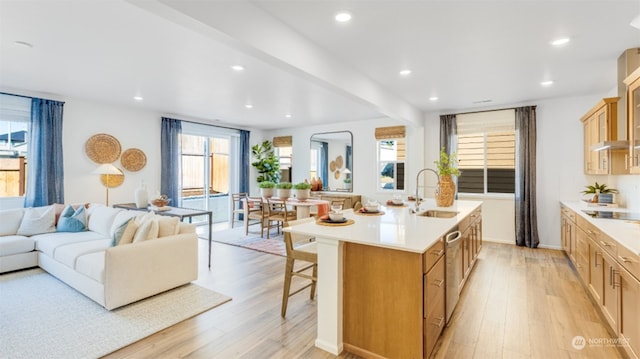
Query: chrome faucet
{"type": "Point", "coordinates": [418, 199]}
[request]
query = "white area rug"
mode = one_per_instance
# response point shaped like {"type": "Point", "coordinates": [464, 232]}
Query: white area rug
{"type": "Point", "coordinates": [42, 317]}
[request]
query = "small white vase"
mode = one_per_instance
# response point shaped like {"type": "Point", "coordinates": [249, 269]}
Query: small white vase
{"type": "Point", "coordinates": [142, 197]}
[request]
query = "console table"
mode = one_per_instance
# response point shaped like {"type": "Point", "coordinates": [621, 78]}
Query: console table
{"type": "Point", "coordinates": [179, 212]}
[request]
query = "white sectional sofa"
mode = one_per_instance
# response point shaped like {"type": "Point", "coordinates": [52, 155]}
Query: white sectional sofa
{"type": "Point", "coordinates": [111, 275]}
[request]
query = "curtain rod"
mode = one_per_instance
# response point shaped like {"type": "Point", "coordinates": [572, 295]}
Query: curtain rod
{"type": "Point", "coordinates": [481, 111]}
{"type": "Point", "coordinates": [206, 124]}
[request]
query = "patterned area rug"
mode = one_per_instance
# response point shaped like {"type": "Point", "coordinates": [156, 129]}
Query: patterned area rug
{"type": "Point", "coordinates": [236, 237]}
{"type": "Point", "coordinates": [42, 317]}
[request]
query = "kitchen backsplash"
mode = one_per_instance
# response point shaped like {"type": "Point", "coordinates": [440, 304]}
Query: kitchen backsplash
{"type": "Point", "coordinates": [629, 187]}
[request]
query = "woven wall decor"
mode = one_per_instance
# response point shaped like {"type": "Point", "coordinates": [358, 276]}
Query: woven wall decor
{"type": "Point", "coordinates": [339, 162]}
{"type": "Point", "coordinates": [103, 148]}
{"type": "Point", "coordinates": [133, 159]}
{"type": "Point", "coordinates": [332, 166]}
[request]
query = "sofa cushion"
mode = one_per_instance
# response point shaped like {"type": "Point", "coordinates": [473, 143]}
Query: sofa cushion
{"type": "Point", "coordinates": [16, 244]}
{"type": "Point", "coordinates": [37, 220]}
{"type": "Point", "coordinates": [148, 229]}
{"type": "Point", "coordinates": [92, 265]}
{"type": "Point", "coordinates": [124, 234]}
{"type": "Point", "coordinates": [72, 220]}
{"type": "Point", "coordinates": [47, 243]}
{"type": "Point", "coordinates": [101, 220]}
{"type": "Point", "coordinates": [67, 254]}
{"type": "Point", "coordinates": [168, 226]}
{"type": "Point", "coordinates": [121, 218]}
{"type": "Point", "coordinates": [11, 219]}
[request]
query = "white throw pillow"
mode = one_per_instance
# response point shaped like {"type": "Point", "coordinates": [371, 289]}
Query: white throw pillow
{"type": "Point", "coordinates": [168, 226]}
{"type": "Point", "coordinates": [38, 220]}
{"type": "Point", "coordinates": [101, 220]}
{"type": "Point", "coordinates": [11, 219]}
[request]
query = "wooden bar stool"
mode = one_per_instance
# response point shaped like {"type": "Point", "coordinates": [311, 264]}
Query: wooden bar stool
{"type": "Point", "coordinates": [307, 252]}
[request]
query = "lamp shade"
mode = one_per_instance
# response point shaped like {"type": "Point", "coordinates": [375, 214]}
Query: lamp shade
{"type": "Point", "coordinates": [106, 169]}
{"type": "Point", "coordinates": [346, 171]}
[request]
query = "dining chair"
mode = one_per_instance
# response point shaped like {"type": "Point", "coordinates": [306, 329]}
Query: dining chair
{"type": "Point", "coordinates": [237, 205]}
{"type": "Point", "coordinates": [299, 248]}
{"type": "Point", "coordinates": [337, 202]}
{"type": "Point", "coordinates": [278, 212]}
{"type": "Point", "coordinates": [254, 209]}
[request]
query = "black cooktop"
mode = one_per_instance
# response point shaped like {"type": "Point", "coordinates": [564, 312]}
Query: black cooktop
{"type": "Point", "coordinates": [613, 215]}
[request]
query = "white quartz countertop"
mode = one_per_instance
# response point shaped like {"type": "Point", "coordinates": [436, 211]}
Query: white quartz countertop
{"type": "Point", "coordinates": [627, 233]}
{"type": "Point", "coordinates": [396, 229]}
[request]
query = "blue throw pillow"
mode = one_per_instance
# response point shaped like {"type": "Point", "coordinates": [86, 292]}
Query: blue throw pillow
{"type": "Point", "coordinates": [72, 221]}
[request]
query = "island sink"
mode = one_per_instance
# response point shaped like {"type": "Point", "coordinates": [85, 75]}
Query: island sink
{"type": "Point", "coordinates": [438, 213]}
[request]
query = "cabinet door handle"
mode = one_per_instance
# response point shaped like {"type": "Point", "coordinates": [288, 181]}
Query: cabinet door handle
{"type": "Point", "coordinates": [438, 322]}
{"type": "Point", "coordinates": [438, 282]}
{"type": "Point", "coordinates": [595, 258]}
{"type": "Point", "coordinates": [611, 277]}
{"type": "Point", "coordinates": [626, 259]}
{"type": "Point", "coordinates": [437, 253]}
{"type": "Point", "coordinates": [605, 244]}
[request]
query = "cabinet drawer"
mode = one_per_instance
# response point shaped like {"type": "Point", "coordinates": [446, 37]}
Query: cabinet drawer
{"type": "Point", "coordinates": [629, 260]}
{"type": "Point", "coordinates": [433, 326]}
{"type": "Point", "coordinates": [431, 256]}
{"type": "Point", "coordinates": [569, 213]}
{"type": "Point", "coordinates": [607, 243]}
{"type": "Point", "coordinates": [434, 285]}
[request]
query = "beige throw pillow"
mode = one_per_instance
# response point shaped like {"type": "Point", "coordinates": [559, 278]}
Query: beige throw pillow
{"type": "Point", "coordinates": [148, 229]}
{"type": "Point", "coordinates": [168, 226]}
{"type": "Point", "coordinates": [129, 232]}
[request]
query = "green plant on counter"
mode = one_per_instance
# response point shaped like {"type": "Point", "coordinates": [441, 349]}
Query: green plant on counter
{"type": "Point", "coordinates": [302, 185]}
{"type": "Point", "coordinates": [347, 180]}
{"type": "Point", "coordinates": [599, 188]}
{"type": "Point", "coordinates": [284, 185]}
{"type": "Point", "coordinates": [267, 184]}
{"type": "Point", "coordinates": [447, 164]}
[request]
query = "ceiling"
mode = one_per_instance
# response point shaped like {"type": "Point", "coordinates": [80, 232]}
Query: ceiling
{"type": "Point", "coordinates": [298, 61]}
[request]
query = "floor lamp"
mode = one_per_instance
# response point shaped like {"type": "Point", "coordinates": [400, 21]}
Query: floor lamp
{"type": "Point", "coordinates": [107, 169]}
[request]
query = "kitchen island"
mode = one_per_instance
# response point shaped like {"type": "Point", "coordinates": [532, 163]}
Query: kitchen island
{"type": "Point", "coordinates": [382, 264]}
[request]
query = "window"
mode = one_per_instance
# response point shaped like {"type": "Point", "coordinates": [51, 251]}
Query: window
{"type": "Point", "coordinates": [391, 159]}
{"type": "Point", "coordinates": [285, 156]}
{"type": "Point", "coordinates": [486, 152]}
{"type": "Point", "coordinates": [15, 113]}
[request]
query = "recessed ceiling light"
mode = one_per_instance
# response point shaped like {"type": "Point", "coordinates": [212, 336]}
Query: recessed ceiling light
{"type": "Point", "coordinates": [23, 44]}
{"type": "Point", "coordinates": [636, 22]}
{"type": "Point", "coordinates": [248, 105]}
{"type": "Point", "coordinates": [546, 83]}
{"type": "Point", "coordinates": [343, 16]}
{"type": "Point", "coordinates": [287, 115]}
{"type": "Point", "coordinates": [433, 98]}
{"type": "Point", "coordinates": [405, 72]}
{"type": "Point", "coordinates": [138, 98]}
{"type": "Point", "coordinates": [237, 67]}
{"type": "Point", "coordinates": [561, 41]}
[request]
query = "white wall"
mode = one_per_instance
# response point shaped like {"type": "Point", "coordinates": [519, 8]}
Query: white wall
{"type": "Point", "coordinates": [364, 170]}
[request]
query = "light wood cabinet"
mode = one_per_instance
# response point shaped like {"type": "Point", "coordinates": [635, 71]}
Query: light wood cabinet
{"type": "Point", "coordinates": [349, 198]}
{"type": "Point", "coordinates": [394, 302]}
{"type": "Point", "coordinates": [629, 315]}
{"type": "Point", "coordinates": [610, 273]}
{"type": "Point", "coordinates": [568, 232]}
{"type": "Point", "coordinates": [633, 120]}
{"type": "Point", "coordinates": [601, 124]}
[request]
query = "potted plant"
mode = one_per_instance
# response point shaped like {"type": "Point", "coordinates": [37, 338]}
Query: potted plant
{"type": "Point", "coordinates": [447, 167]}
{"type": "Point", "coordinates": [303, 190]}
{"type": "Point", "coordinates": [267, 188]}
{"type": "Point", "coordinates": [597, 189]}
{"type": "Point", "coordinates": [284, 190]}
{"type": "Point", "coordinates": [347, 183]}
{"type": "Point", "coordinates": [266, 162]}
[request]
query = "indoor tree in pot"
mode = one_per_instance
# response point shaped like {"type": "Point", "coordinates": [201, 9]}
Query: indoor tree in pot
{"type": "Point", "coordinates": [284, 190]}
{"type": "Point", "coordinates": [445, 193]}
{"type": "Point", "coordinates": [303, 190]}
{"type": "Point", "coordinates": [266, 162]}
{"type": "Point", "coordinates": [267, 188]}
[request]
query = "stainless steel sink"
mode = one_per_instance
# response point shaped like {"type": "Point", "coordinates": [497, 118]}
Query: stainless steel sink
{"type": "Point", "coordinates": [438, 213]}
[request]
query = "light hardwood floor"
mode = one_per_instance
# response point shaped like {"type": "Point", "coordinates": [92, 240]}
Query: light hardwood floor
{"type": "Point", "coordinates": [518, 303]}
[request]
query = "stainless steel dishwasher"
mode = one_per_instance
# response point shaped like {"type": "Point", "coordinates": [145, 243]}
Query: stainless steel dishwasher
{"type": "Point", "coordinates": [453, 258]}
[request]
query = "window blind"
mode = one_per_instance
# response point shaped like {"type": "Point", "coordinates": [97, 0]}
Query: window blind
{"type": "Point", "coordinates": [486, 122]}
{"type": "Point", "coordinates": [384, 133]}
{"type": "Point", "coordinates": [282, 141]}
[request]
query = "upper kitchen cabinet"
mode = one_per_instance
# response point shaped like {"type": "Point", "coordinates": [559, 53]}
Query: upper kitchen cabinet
{"type": "Point", "coordinates": [603, 154]}
{"type": "Point", "coordinates": [633, 120]}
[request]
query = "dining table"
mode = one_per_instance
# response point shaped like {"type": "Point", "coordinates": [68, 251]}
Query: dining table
{"type": "Point", "coordinates": [303, 207]}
